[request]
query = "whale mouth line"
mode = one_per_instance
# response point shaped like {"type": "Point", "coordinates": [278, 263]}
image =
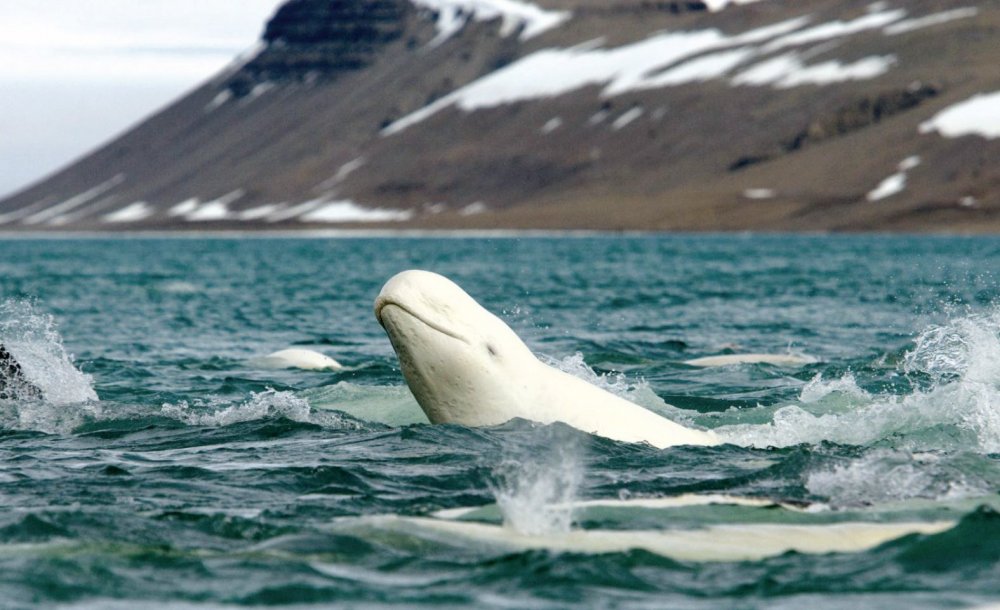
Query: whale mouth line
{"type": "Point", "coordinates": [383, 303]}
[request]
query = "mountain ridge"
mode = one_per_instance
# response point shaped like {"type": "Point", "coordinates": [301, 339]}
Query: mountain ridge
{"type": "Point", "coordinates": [765, 115]}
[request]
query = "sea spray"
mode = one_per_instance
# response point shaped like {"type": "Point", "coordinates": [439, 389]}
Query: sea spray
{"type": "Point", "coordinates": [35, 343]}
{"type": "Point", "coordinates": [269, 404]}
{"type": "Point", "coordinates": [536, 484]}
{"type": "Point", "coordinates": [955, 369]}
{"type": "Point", "coordinates": [885, 475]}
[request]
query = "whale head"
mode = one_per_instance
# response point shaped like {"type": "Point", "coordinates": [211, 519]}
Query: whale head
{"type": "Point", "coordinates": [463, 364]}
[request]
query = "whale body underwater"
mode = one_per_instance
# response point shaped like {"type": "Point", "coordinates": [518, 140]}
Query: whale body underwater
{"type": "Point", "coordinates": [465, 366]}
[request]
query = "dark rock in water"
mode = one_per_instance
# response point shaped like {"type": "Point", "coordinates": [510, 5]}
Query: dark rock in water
{"type": "Point", "coordinates": [13, 385]}
{"type": "Point", "coordinates": [317, 39]}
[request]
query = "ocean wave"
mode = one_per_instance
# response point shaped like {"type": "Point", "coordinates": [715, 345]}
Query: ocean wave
{"type": "Point", "coordinates": [958, 409]}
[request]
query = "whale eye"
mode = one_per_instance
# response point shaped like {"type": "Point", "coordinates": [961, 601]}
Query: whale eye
{"type": "Point", "coordinates": [491, 350]}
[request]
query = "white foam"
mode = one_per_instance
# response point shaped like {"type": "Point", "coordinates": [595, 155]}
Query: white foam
{"type": "Point", "coordinates": [133, 212]}
{"type": "Point", "coordinates": [978, 115]}
{"type": "Point", "coordinates": [909, 25]}
{"type": "Point", "coordinates": [269, 404]}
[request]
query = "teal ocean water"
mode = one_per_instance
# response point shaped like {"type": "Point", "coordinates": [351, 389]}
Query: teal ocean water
{"type": "Point", "coordinates": [167, 468]}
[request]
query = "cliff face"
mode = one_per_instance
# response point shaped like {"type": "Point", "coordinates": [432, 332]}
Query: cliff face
{"type": "Point", "coordinates": [318, 39]}
{"type": "Point", "coordinates": [772, 114]}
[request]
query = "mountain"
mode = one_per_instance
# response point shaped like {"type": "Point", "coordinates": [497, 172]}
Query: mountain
{"type": "Point", "coordinates": [568, 114]}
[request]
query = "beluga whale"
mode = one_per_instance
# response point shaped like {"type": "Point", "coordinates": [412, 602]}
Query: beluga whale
{"type": "Point", "coordinates": [465, 366]}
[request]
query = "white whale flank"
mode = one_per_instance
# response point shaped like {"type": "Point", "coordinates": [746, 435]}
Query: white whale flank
{"type": "Point", "coordinates": [733, 359]}
{"type": "Point", "coordinates": [728, 542]}
{"type": "Point", "coordinates": [298, 358]}
{"type": "Point", "coordinates": [466, 366]}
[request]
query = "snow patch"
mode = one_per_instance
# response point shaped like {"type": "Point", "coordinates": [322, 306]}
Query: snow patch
{"type": "Point", "coordinates": [73, 202]}
{"type": "Point", "coordinates": [217, 209]}
{"type": "Point", "coordinates": [551, 125]}
{"type": "Point", "coordinates": [348, 211]}
{"type": "Point", "coordinates": [895, 183]}
{"type": "Point", "coordinates": [477, 207]}
{"type": "Point", "coordinates": [258, 90]}
{"type": "Point", "coordinates": [295, 210]}
{"type": "Point", "coordinates": [221, 98]}
{"type": "Point", "coordinates": [627, 117]}
{"type": "Point", "coordinates": [665, 59]}
{"type": "Point", "coordinates": [185, 207]}
{"type": "Point", "coordinates": [788, 70]}
{"type": "Point", "coordinates": [259, 212]}
{"type": "Point", "coordinates": [531, 20]}
{"type": "Point", "coordinates": [759, 193]}
{"type": "Point", "coordinates": [133, 212]}
{"type": "Point", "coordinates": [909, 25]}
{"type": "Point", "coordinates": [701, 69]}
{"type": "Point", "coordinates": [979, 115]}
{"type": "Point", "coordinates": [835, 29]}
{"type": "Point", "coordinates": [718, 5]}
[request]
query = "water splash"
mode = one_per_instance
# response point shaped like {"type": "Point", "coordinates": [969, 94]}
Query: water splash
{"type": "Point", "coordinates": [35, 343]}
{"type": "Point", "coordinates": [884, 475]}
{"type": "Point", "coordinates": [535, 488]}
{"type": "Point", "coordinates": [955, 370]}
{"type": "Point", "coordinates": [269, 404]}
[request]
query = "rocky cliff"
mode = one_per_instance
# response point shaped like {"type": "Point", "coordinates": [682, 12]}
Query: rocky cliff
{"type": "Point", "coordinates": [762, 115]}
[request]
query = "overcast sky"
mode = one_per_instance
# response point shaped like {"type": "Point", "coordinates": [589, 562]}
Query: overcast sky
{"type": "Point", "coordinates": [73, 73]}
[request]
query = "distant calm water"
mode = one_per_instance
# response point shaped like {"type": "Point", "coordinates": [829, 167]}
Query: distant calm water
{"type": "Point", "coordinates": [167, 470]}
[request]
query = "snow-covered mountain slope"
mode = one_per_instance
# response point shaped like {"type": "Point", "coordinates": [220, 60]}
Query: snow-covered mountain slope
{"type": "Point", "coordinates": [634, 114]}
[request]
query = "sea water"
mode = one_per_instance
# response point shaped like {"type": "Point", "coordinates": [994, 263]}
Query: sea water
{"type": "Point", "coordinates": [165, 470]}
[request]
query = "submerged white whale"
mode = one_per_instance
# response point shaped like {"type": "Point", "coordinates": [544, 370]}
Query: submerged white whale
{"type": "Point", "coordinates": [466, 366]}
{"type": "Point", "coordinates": [732, 359]}
{"type": "Point", "coordinates": [298, 358]}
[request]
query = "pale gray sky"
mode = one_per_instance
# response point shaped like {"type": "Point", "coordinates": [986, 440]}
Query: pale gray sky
{"type": "Point", "coordinates": [73, 73]}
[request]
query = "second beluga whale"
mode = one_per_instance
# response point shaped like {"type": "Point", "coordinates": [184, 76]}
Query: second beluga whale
{"type": "Point", "coordinates": [466, 366]}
